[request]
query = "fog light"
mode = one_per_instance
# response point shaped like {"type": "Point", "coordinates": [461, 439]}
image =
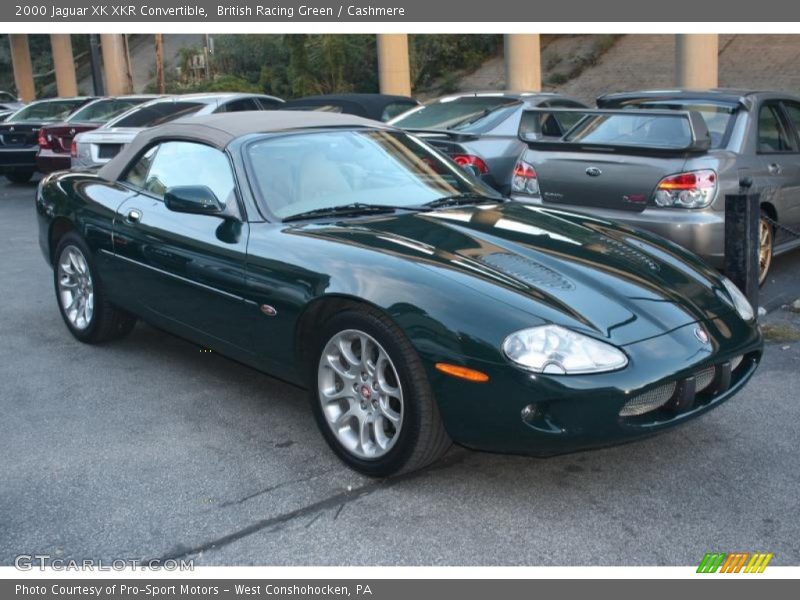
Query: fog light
{"type": "Point", "coordinates": [528, 413]}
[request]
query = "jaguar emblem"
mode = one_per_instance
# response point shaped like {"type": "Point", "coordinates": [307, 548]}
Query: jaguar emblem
{"type": "Point", "coordinates": [593, 172]}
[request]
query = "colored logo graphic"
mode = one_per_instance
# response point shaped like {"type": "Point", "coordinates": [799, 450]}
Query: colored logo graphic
{"type": "Point", "coordinates": [734, 562]}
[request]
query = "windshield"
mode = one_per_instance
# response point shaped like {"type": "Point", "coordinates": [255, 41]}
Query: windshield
{"type": "Point", "coordinates": [717, 115]}
{"type": "Point", "coordinates": [104, 110]}
{"type": "Point", "coordinates": [45, 111]}
{"type": "Point", "coordinates": [473, 114]}
{"type": "Point", "coordinates": [659, 131]}
{"type": "Point", "coordinates": [157, 113]}
{"type": "Point", "coordinates": [297, 173]}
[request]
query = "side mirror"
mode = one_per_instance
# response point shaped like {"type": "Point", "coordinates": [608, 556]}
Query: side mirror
{"type": "Point", "coordinates": [193, 199]}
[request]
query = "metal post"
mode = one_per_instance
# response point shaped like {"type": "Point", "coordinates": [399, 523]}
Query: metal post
{"type": "Point", "coordinates": [742, 212]}
{"type": "Point", "coordinates": [94, 58]}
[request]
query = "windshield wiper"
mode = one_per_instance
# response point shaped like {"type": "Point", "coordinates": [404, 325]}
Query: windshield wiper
{"type": "Point", "coordinates": [461, 199]}
{"type": "Point", "coordinates": [354, 208]}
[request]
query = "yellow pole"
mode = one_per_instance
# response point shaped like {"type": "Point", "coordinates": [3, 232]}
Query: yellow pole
{"type": "Point", "coordinates": [61, 45]}
{"type": "Point", "coordinates": [696, 60]}
{"type": "Point", "coordinates": [23, 69]}
{"type": "Point", "coordinates": [393, 68]}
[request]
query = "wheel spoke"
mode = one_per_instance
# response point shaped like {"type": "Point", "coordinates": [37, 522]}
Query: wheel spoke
{"type": "Point", "coordinates": [388, 412]}
{"type": "Point", "coordinates": [335, 364]}
{"type": "Point", "coordinates": [365, 424]}
{"type": "Point", "coordinates": [346, 349]}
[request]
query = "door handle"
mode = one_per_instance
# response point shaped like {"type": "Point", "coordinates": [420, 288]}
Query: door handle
{"type": "Point", "coordinates": [774, 169]}
{"type": "Point", "coordinates": [134, 215]}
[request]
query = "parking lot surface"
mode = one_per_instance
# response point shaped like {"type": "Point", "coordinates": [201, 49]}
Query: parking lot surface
{"type": "Point", "coordinates": [150, 448]}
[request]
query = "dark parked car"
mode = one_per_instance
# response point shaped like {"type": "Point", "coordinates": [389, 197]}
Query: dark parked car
{"type": "Point", "coordinates": [663, 173]}
{"type": "Point", "coordinates": [379, 107]}
{"type": "Point", "coordinates": [328, 250]}
{"type": "Point", "coordinates": [19, 134]}
{"type": "Point", "coordinates": [55, 141]}
{"type": "Point", "coordinates": [481, 130]}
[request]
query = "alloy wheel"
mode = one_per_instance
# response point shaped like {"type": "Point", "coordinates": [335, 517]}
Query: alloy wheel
{"type": "Point", "coordinates": [360, 394]}
{"type": "Point", "coordinates": [765, 236]}
{"type": "Point", "coordinates": [75, 287]}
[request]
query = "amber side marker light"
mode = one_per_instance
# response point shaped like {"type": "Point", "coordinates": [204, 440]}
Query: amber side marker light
{"type": "Point", "coordinates": [462, 372]}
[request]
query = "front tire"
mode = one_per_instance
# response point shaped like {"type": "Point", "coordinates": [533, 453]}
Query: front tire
{"type": "Point", "coordinates": [80, 296]}
{"type": "Point", "coordinates": [371, 398]}
{"type": "Point", "coordinates": [766, 242]}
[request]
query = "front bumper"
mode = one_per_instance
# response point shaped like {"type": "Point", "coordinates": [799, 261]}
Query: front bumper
{"type": "Point", "coordinates": [527, 413]}
{"type": "Point", "coordinates": [17, 159]}
{"type": "Point", "coordinates": [699, 231]}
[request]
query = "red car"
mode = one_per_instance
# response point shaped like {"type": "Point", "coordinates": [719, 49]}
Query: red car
{"type": "Point", "coordinates": [55, 141]}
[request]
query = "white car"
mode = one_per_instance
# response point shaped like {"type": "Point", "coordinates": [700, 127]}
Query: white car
{"type": "Point", "coordinates": [97, 147]}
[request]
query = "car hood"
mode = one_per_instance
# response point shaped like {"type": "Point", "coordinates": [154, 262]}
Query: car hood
{"type": "Point", "coordinates": [574, 270]}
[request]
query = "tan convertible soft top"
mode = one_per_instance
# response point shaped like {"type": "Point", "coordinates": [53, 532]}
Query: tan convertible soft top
{"type": "Point", "coordinates": [219, 130]}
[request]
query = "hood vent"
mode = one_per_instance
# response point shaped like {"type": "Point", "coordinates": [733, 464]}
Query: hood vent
{"type": "Point", "coordinates": [526, 270]}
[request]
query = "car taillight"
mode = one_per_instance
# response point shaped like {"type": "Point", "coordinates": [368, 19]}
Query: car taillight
{"type": "Point", "coordinates": [525, 180]}
{"type": "Point", "coordinates": [472, 163]}
{"type": "Point", "coordinates": [693, 189]}
{"type": "Point", "coordinates": [73, 149]}
{"type": "Point", "coordinates": [43, 142]}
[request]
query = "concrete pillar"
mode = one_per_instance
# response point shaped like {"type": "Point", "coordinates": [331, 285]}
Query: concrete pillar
{"type": "Point", "coordinates": [23, 69]}
{"type": "Point", "coordinates": [393, 70]}
{"type": "Point", "coordinates": [523, 62]}
{"type": "Point", "coordinates": [61, 45]}
{"type": "Point", "coordinates": [696, 60]}
{"type": "Point", "coordinates": [115, 64]}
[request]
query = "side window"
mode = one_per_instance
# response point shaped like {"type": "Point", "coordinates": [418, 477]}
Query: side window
{"type": "Point", "coordinates": [793, 110]}
{"type": "Point", "coordinates": [137, 175]}
{"type": "Point", "coordinates": [241, 105]}
{"type": "Point", "coordinates": [188, 163]}
{"type": "Point", "coordinates": [567, 120]}
{"type": "Point", "coordinates": [772, 134]}
{"type": "Point", "coordinates": [268, 104]}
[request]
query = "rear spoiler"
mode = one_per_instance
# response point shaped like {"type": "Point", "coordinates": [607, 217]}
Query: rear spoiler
{"type": "Point", "coordinates": [700, 138]}
{"type": "Point", "coordinates": [456, 136]}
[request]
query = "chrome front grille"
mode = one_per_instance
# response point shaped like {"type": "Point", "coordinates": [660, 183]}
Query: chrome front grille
{"type": "Point", "coordinates": [652, 400]}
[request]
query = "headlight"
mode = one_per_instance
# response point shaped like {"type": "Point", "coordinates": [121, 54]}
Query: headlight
{"type": "Point", "coordinates": [740, 301]}
{"type": "Point", "coordinates": [557, 351]}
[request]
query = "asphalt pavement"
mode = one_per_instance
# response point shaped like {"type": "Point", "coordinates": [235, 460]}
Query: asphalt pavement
{"type": "Point", "coordinates": [148, 448]}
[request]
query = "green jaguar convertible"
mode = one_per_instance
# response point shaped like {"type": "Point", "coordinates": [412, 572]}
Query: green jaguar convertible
{"type": "Point", "coordinates": [418, 306]}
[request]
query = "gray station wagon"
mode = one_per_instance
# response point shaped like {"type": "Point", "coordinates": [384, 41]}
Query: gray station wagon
{"type": "Point", "coordinates": [667, 168]}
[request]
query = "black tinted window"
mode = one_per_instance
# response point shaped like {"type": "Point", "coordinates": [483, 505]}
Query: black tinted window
{"type": "Point", "coordinates": [793, 110]}
{"type": "Point", "coordinates": [772, 135]}
{"type": "Point", "coordinates": [242, 105]}
{"type": "Point", "coordinates": [469, 113]}
{"type": "Point", "coordinates": [269, 104]}
{"type": "Point", "coordinates": [158, 113]}
{"type": "Point", "coordinates": [396, 108]}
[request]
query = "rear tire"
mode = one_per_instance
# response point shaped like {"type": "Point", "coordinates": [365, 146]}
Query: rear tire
{"type": "Point", "coordinates": [89, 316]}
{"type": "Point", "coordinates": [375, 409]}
{"type": "Point", "coordinates": [19, 176]}
{"type": "Point", "coordinates": [766, 242]}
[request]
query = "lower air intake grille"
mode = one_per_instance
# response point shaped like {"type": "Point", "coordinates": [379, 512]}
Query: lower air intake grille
{"type": "Point", "coordinates": [704, 378]}
{"type": "Point", "coordinates": [644, 403]}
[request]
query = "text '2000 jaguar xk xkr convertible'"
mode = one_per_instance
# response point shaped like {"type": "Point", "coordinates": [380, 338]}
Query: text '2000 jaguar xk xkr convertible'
{"type": "Point", "coordinates": [417, 305]}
